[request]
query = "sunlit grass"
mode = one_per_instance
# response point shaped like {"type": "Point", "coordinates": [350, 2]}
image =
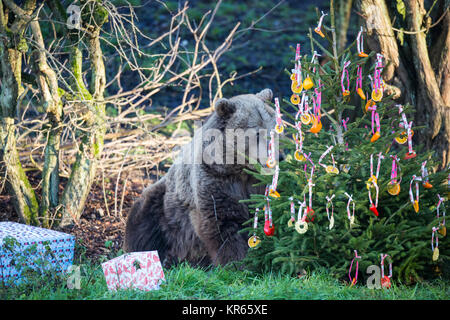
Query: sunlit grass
{"type": "Point", "coordinates": [186, 282]}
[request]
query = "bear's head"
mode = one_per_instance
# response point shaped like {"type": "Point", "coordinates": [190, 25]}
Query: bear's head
{"type": "Point", "coordinates": [236, 134]}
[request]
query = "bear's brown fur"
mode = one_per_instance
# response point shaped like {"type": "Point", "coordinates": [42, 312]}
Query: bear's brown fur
{"type": "Point", "coordinates": [193, 213]}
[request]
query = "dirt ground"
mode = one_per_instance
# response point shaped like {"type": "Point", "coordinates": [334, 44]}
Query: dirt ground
{"type": "Point", "coordinates": [102, 224]}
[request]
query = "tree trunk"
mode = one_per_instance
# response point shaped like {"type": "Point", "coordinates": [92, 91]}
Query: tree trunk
{"type": "Point", "coordinates": [85, 166]}
{"type": "Point", "coordinates": [48, 86]}
{"type": "Point", "coordinates": [12, 44]}
{"type": "Point", "coordinates": [419, 84]}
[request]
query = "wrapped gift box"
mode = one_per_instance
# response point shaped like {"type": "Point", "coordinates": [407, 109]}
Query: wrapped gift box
{"type": "Point", "coordinates": [135, 270]}
{"type": "Point", "coordinates": [23, 246]}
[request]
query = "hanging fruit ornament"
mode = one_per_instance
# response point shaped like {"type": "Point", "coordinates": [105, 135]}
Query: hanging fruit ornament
{"type": "Point", "coordinates": [377, 91]}
{"type": "Point", "coordinates": [279, 128]}
{"type": "Point", "coordinates": [307, 82]}
{"type": "Point", "coordinates": [317, 101]}
{"type": "Point", "coordinates": [351, 217]}
{"type": "Point", "coordinates": [442, 229]}
{"type": "Point", "coordinates": [318, 29]}
{"type": "Point", "coordinates": [407, 126]}
{"type": "Point", "coordinates": [394, 184]}
{"type": "Point", "coordinates": [254, 240]}
{"type": "Point", "coordinates": [316, 124]}
{"type": "Point", "coordinates": [271, 151]}
{"type": "Point", "coordinates": [329, 168]}
{"type": "Point", "coordinates": [273, 187]}
{"type": "Point", "coordinates": [345, 91]}
{"type": "Point", "coordinates": [269, 228]}
{"type": "Point", "coordinates": [359, 89]}
{"type": "Point", "coordinates": [297, 77]}
{"type": "Point", "coordinates": [415, 202]}
{"type": "Point", "coordinates": [425, 181]}
{"type": "Point", "coordinates": [301, 226]}
{"type": "Point", "coordinates": [369, 104]}
{"type": "Point", "coordinates": [354, 279]}
{"type": "Point", "coordinates": [373, 182]}
{"type": "Point", "coordinates": [330, 204]}
{"type": "Point", "coordinates": [360, 44]}
{"type": "Point", "coordinates": [435, 249]}
{"type": "Point", "coordinates": [386, 279]}
{"type": "Point", "coordinates": [303, 112]}
{"type": "Point", "coordinates": [375, 123]}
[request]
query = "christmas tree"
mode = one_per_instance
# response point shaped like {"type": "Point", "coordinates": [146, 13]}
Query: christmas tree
{"type": "Point", "coordinates": [349, 193]}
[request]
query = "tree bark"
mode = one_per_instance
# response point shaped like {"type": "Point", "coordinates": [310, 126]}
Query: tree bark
{"type": "Point", "coordinates": [430, 107]}
{"type": "Point", "coordinates": [85, 166]}
{"type": "Point", "coordinates": [12, 44]}
{"type": "Point", "coordinates": [48, 86]}
{"type": "Point", "coordinates": [420, 79]}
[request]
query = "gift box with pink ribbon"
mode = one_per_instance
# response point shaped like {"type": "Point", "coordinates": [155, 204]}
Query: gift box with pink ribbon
{"type": "Point", "coordinates": [135, 270]}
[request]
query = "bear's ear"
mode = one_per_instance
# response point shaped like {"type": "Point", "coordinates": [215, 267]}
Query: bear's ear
{"type": "Point", "coordinates": [265, 95]}
{"type": "Point", "coordinates": [224, 108]}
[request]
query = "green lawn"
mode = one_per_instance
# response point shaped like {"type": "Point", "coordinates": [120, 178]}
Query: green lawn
{"type": "Point", "coordinates": [185, 282]}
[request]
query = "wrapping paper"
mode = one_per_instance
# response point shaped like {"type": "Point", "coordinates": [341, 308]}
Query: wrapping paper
{"type": "Point", "coordinates": [37, 248]}
{"type": "Point", "coordinates": [136, 270]}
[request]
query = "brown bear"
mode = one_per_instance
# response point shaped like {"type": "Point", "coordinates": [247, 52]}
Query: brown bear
{"type": "Point", "coordinates": [193, 213]}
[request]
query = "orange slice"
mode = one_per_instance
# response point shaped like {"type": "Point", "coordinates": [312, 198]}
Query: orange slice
{"type": "Point", "coordinates": [299, 156]}
{"type": "Point", "coordinates": [394, 189]}
{"type": "Point", "coordinates": [377, 95]}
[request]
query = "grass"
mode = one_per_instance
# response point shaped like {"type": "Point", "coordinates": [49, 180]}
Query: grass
{"type": "Point", "coordinates": [186, 282]}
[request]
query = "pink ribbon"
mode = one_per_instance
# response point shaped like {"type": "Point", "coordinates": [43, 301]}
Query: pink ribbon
{"type": "Point", "coordinates": [432, 239]}
{"type": "Point", "coordinates": [345, 73]}
{"type": "Point", "coordinates": [411, 195]}
{"type": "Point", "coordinates": [359, 77]}
{"type": "Point", "coordinates": [441, 200]}
{"type": "Point", "coordinates": [375, 119]}
{"type": "Point", "coordinates": [395, 168]}
{"type": "Point", "coordinates": [351, 266]}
